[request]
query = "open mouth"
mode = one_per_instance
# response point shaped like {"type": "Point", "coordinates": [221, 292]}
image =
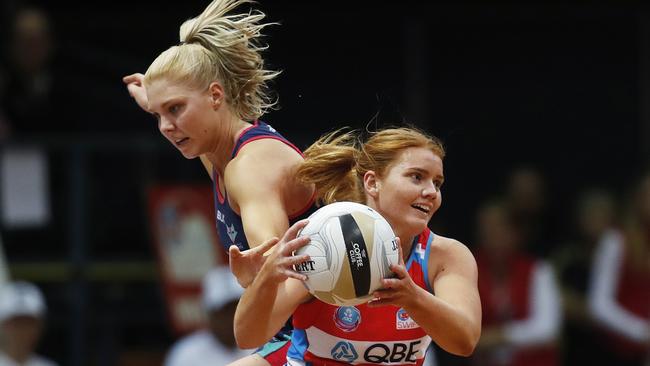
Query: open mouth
{"type": "Point", "coordinates": [422, 208]}
{"type": "Point", "coordinates": [179, 142]}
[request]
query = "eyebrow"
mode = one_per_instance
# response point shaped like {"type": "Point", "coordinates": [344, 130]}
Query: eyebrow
{"type": "Point", "coordinates": [169, 101]}
{"type": "Point", "coordinates": [424, 171]}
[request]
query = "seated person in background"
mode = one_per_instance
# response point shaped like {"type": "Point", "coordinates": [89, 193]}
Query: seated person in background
{"type": "Point", "coordinates": [22, 312]}
{"type": "Point", "coordinates": [216, 344]}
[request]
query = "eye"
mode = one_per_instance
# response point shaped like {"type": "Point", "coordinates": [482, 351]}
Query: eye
{"type": "Point", "coordinates": [174, 108]}
{"type": "Point", "coordinates": [438, 184]}
{"type": "Point", "coordinates": [416, 176]}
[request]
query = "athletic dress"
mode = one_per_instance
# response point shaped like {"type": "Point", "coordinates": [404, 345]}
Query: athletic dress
{"type": "Point", "coordinates": [231, 229]}
{"type": "Point", "coordinates": [326, 335]}
{"type": "Point", "coordinates": [229, 224]}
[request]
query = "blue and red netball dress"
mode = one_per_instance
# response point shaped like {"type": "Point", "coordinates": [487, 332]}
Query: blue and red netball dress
{"type": "Point", "coordinates": [327, 335]}
{"type": "Point", "coordinates": [229, 224]}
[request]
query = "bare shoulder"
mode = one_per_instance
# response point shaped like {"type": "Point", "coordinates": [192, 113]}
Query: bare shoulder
{"type": "Point", "coordinates": [267, 167]}
{"type": "Point", "coordinates": [264, 160]}
{"type": "Point", "coordinates": [442, 245]}
{"type": "Point", "coordinates": [448, 253]}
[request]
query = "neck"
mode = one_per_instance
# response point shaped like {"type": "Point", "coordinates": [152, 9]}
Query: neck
{"type": "Point", "coordinates": [406, 242]}
{"type": "Point", "coordinates": [220, 153]}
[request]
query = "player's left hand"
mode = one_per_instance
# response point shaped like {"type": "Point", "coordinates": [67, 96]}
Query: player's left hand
{"type": "Point", "coordinates": [398, 290]}
{"type": "Point", "coordinates": [279, 264]}
{"type": "Point", "coordinates": [245, 265]}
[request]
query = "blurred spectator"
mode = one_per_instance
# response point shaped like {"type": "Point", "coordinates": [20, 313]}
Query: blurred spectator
{"type": "Point", "coordinates": [519, 296]}
{"type": "Point", "coordinates": [22, 312]}
{"type": "Point", "coordinates": [29, 98]}
{"type": "Point", "coordinates": [215, 345]}
{"type": "Point", "coordinates": [526, 197]}
{"type": "Point", "coordinates": [619, 292]}
{"type": "Point", "coordinates": [581, 342]}
{"type": "Point", "coordinates": [34, 102]}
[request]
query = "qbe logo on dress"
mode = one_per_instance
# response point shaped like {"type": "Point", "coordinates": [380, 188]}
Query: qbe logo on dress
{"type": "Point", "coordinates": [404, 321]}
{"type": "Point", "coordinates": [344, 351]}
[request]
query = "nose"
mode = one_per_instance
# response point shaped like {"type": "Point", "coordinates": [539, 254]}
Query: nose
{"type": "Point", "coordinates": [430, 191]}
{"type": "Point", "coordinates": [165, 125]}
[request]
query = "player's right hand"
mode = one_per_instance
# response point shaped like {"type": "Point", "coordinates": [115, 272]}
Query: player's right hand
{"type": "Point", "coordinates": [134, 84]}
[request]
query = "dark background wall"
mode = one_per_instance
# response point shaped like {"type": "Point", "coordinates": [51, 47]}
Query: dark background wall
{"type": "Point", "coordinates": [557, 86]}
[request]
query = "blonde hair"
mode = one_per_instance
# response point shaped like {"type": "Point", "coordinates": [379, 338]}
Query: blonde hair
{"type": "Point", "coordinates": [226, 48]}
{"type": "Point", "coordinates": [337, 162]}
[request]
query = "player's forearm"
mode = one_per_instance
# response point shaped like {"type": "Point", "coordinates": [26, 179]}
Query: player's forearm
{"type": "Point", "coordinates": [254, 325]}
{"type": "Point", "coordinates": [452, 329]}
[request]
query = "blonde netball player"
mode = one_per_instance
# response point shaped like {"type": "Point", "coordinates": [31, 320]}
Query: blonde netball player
{"type": "Point", "coordinates": [208, 93]}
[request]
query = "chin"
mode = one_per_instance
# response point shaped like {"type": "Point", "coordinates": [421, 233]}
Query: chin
{"type": "Point", "coordinates": [189, 155]}
{"type": "Point", "coordinates": [411, 228]}
{"type": "Point", "coordinates": [417, 226]}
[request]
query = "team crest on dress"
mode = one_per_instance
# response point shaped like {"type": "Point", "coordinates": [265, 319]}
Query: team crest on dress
{"type": "Point", "coordinates": [404, 321]}
{"type": "Point", "coordinates": [347, 318]}
{"type": "Point", "coordinates": [232, 233]}
{"type": "Point", "coordinates": [344, 351]}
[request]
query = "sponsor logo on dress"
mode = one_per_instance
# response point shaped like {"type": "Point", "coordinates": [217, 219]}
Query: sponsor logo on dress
{"type": "Point", "coordinates": [404, 321]}
{"type": "Point", "coordinates": [347, 318]}
{"type": "Point", "coordinates": [420, 251]}
{"type": "Point", "coordinates": [221, 217]}
{"type": "Point", "coordinates": [232, 233]}
{"type": "Point", "coordinates": [344, 351]}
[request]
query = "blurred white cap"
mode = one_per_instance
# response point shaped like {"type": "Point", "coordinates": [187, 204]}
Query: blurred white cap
{"type": "Point", "coordinates": [20, 298]}
{"type": "Point", "coordinates": [220, 287]}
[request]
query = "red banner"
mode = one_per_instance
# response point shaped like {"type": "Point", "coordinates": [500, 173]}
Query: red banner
{"type": "Point", "coordinates": [186, 243]}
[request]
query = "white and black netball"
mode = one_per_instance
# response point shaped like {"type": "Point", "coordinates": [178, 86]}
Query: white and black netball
{"type": "Point", "coordinates": [351, 249]}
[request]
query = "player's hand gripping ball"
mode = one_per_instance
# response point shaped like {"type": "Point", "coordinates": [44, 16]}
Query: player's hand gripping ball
{"type": "Point", "coordinates": [351, 249]}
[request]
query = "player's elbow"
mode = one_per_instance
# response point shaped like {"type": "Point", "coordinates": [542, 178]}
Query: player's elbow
{"type": "Point", "coordinates": [246, 341]}
{"type": "Point", "coordinates": [463, 348]}
{"type": "Point", "coordinates": [466, 342]}
{"type": "Point", "coordinates": [466, 348]}
{"type": "Point", "coordinates": [246, 338]}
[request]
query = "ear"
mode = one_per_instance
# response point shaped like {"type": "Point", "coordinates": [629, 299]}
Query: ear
{"type": "Point", "coordinates": [217, 94]}
{"type": "Point", "coordinates": [371, 183]}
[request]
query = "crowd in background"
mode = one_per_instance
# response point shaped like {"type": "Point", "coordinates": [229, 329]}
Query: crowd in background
{"type": "Point", "coordinates": [561, 283]}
